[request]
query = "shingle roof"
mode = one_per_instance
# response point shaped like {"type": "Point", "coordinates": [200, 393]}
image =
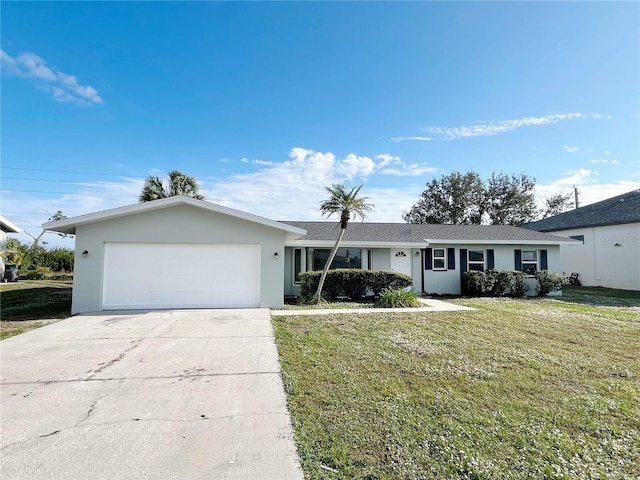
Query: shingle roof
{"type": "Point", "coordinates": [414, 233]}
{"type": "Point", "coordinates": [618, 210]}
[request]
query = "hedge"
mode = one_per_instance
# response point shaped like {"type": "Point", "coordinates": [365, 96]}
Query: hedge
{"type": "Point", "coordinates": [354, 283]}
{"type": "Point", "coordinates": [497, 283]}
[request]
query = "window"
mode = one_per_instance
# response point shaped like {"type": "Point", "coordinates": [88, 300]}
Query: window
{"type": "Point", "coordinates": [529, 261]}
{"type": "Point", "coordinates": [297, 264]}
{"type": "Point", "coordinates": [345, 258]}
{"type": "Point", "coordinates": [438, 259]}
{"type": "Point", "coordinates": [476, 260]}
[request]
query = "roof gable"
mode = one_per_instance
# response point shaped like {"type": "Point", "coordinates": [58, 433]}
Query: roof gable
{"type": "Point", "coordinates": [617, 210]}
{"type": "Point", "coordinates": [68, 225]}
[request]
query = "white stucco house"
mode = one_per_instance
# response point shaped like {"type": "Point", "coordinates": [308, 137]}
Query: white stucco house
{"type": "Point", "coordinates": [608, 251]}
{"type": "Point", "coordinates": [5, 227]}
{"type": "Point", "coordinates": [179, 252]}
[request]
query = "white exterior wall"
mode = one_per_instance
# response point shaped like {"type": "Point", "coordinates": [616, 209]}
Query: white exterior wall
{"type": "Point", "coordinates": [176, 224]}
{"type": "Point", "coordinates": [3, 246]}
{"type": "Point", "coordinates": [599, 261]}
{"type": "Point", "coordinates": [444, 282]}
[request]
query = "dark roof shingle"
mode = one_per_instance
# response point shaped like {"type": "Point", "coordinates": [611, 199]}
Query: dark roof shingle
{"type": "Point", "coordinates": [618, 210]}
{"type": "Point", "coordinates": [417, 233]}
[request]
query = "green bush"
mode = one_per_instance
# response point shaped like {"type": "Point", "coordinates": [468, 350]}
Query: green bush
{"type": "Point", "coordinates": [38, 273]}
{"type": "Point", "coordinates": [520, 284]}
{"type": "Point", "coordinates": [381, 279]}
{"type": "Point", "coordinates": [548, 282]}
{"type": "Point", "coordinates": [504, 282]}
{"type": "Point", "coordinates": [480, 283]}
{"type": "Point", "coordinates": [394, 298]}
{"type": "Point", "coordinates": [352, 282]}
{"type": "Point", "coordinates": [497, 283]}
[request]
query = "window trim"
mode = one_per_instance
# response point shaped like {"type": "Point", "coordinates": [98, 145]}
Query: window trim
{"type": "Point", "coordinates": [476, 262]}
{"type": "Point", "coordinates": [536, 263]}
{"type": "Point", "coordinates": [442, 258]}
{"type": "Point", "coordinates": [302, 269]}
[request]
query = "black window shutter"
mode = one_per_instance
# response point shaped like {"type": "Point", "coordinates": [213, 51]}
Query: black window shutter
{"type": "Point", "coordinates": [451, 258]}
{"type": "Point", "coordinates": [543, 260]}
{"type": "Point", "coordinates": [463, 270]}
{"type": "Point", "coordinates": [428, 259]}
{"type": "Point", "coordinates": [490, 261]}
{"type": "Point", "coordinates": [518, 259]}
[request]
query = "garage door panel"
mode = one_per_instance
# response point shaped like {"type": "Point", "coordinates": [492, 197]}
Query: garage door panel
{"type": "Point", "coordinates": [145, 275]}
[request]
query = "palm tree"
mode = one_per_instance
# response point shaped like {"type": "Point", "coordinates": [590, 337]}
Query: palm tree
{"type": "Point", "coordinates": [348, 205]}
{"type": "Point", "coordinates": [177, 183]}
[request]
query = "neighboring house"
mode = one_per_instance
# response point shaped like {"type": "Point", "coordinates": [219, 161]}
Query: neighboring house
{"type": "Point", "coordinates": [5, 227]}
{"type": "Point", "coordinates": [608, 252]}
{"type": "Point", "coordinates": [435, 256]}
{"type": "Point", "coordinates": [179, 252]}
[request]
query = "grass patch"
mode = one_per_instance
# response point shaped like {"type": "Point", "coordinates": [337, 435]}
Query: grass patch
{"type": "Point", "coordinates": [10, 329]}
{"type": "Point", "coordinates": [520, 388]}
{"type": "Point", "coordinates": [35, 300]}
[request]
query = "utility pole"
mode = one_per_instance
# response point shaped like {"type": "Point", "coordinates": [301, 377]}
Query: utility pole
{"type": "Point", "coordinates": [576, 192]}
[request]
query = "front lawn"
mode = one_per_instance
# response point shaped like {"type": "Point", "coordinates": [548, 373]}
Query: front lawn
{"type": "Point", "coordinates": [530, 388]}
{"type": "Point", "coordinates": [35, 300]}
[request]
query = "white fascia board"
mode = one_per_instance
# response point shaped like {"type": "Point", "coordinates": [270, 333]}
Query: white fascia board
{"type": "Point", "coordinates": [69, 225]}
{"type": "Point", "coordinates": [355, 243]}
{"type": "Point", "coordinates": [8, 226]}
{"type": "Point", "coordinates": [500, 242]}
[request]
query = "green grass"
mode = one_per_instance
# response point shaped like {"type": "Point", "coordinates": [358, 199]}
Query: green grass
{"type": "Point", "coordinates": [535, 388]}
{"type": "Point", "coordinates": [35, 300]}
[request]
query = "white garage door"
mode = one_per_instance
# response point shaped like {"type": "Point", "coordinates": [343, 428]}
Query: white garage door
{"type": "Point", "coordinates": [163, 275]}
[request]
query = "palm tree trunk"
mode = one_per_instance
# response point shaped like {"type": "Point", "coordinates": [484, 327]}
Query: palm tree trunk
{"type": "Point", "coordinates": [323, 277]}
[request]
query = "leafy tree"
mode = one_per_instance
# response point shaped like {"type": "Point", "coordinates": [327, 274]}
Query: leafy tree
{"type": "Point", "coordinates": [452, 199]}
{"type": "Point", "coordinates": [510, 199]}
{"type": "Point", "coordinates": [465, 199]}
{"type": "Point", "coordinates": [176, 183]}
{"type": "Point", "coordinates": [348, 205]}
{"type": "Point", "coordinates": [14, 251]}
{"type": "Point", "coordinates": [556, 204]}
{"type": "Point", "coordinates": [59, 259]}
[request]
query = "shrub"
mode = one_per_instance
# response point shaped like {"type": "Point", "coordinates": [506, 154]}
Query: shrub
{"type": "Point", "coordinates": [381, 279]}
{"type": "Point", "coordinates": [354, 283]}
{"type": "Point", "coordinates": [548, 282]}
{"type": "Point", "coordinates": [38, 273]}
{"type": "Point", "coordinates": [520, 284]}
{"type": "Point", "coordinates": [503, 282]}
{"type": "Point", "coordinates": [394, 298]}
{"type": "Point", "coordinates": [480, 283]}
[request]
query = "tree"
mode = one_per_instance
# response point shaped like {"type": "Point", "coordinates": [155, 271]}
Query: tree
{"type": "Point", "coordinates": [35, 253]}
{"type": "Point", "coordinates": [556, 204]}
{"type": "Point", "coordinates": [348, 205]}
{"type": "Point", "coordinates": [177, 183]}
{"type": "Point", "coordinates": [510, 199]}
{"type": "Point", "coordinates": [452, 199]}
{"type": "Point", "coordinates": [465, 199]}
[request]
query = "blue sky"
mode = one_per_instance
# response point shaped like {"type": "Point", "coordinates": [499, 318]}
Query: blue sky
{"type": "Point", "coordinates": [268, 103]}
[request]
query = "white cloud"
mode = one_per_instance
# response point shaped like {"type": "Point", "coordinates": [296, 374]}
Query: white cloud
{"type": "Point", "coordinates": [570, 149]}
{"type": "Point", "coordinates": [387, 159]}
{"type": "Point", "coordinates": [65, 88]}
{"type": "Point", "coordinates": [293, 189]}
{"type": "Point", "coordinates": [492, 128]}
{"type": "Point", "coordinates": [402, 139]}
{"type": "Point", "coordinates": [605, 161]}
{"type": "Point", "coordinates": [410, 170]}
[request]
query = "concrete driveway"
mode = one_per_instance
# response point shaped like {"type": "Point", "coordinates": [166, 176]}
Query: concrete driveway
{"type": "Point", "coordinates": [165, 394]}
